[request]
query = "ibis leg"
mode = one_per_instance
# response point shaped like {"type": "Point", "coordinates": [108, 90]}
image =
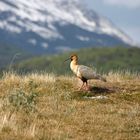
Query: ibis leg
{"type": "Point", "coordinates": [82, 86]}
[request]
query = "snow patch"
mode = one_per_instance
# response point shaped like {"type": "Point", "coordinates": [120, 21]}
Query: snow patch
{"type": "Point", "coordinates": [32, 41]}
{"type": "Point", "coordinates": [82, 38]}
{"type": "Point", "coordinates": [44, 45]}
{"type": "Point", "coordinates": [10, 27]}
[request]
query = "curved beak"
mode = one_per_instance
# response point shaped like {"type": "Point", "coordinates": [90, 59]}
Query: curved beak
{"type": "Point", "coordinates": [67, 60]}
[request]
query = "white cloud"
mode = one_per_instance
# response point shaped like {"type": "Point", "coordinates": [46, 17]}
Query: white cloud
{"type": "Point", "coordinates": [126, 3]}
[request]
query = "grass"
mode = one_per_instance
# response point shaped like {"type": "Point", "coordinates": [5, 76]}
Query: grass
{"type": "Point", "coordinates": [42, 106]}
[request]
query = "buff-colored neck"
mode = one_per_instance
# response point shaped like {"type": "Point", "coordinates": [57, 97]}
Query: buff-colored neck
{"type": "Point", "coordinates": [74, 65]}
{"type": "Point", "coordinates": [74, 62]}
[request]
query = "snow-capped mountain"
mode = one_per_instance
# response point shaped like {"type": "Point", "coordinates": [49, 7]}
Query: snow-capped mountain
{"type": "Point", "coordinates": [55, 25]}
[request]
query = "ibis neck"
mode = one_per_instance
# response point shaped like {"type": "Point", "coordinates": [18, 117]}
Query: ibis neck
{"type": "Point", "coordinates": [74, 62]}
{"type": "Point", "coordinates": [74, 66]}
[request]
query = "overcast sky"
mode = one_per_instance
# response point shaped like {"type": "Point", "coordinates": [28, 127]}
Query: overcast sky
{"type": "Point", "coordinates": [124, 13]}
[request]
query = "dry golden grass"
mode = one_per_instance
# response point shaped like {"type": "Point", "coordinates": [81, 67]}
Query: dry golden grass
{"type": "Point", "coordinates": [47, 107]}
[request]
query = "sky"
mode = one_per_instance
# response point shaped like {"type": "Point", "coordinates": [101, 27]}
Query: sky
{"type": "Point", "coordinates": [125, 14]}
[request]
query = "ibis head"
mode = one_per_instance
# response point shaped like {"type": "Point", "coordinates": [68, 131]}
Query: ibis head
{"type": "Point", "coordinates": [73, 57]}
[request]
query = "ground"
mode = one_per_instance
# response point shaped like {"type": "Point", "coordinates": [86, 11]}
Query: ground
{"type": "Point", "coordinates": [45, 106]}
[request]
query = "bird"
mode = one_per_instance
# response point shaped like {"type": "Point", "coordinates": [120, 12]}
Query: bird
{"type": "Point", "coordinates": [83, 72]}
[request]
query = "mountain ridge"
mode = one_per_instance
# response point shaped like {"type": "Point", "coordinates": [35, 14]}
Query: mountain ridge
{"type": "Point", "coordinates": [41, 26]}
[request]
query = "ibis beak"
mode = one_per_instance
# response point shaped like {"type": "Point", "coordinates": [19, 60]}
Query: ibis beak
{"type": "Point", "coordinates": [67, 59]}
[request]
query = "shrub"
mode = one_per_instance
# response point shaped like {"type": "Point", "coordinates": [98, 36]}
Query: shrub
{"type": "Point", "coordinates": [22, 101]}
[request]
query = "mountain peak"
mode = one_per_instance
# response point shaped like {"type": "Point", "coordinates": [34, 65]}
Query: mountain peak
{"type": "Point", "coordinates": [44, 21]}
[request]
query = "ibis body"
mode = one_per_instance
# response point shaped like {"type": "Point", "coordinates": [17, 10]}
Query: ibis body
{"type": "Point", "coordinates": [83, 72]}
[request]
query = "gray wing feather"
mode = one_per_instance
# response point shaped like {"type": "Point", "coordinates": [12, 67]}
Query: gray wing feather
{"type": "Point", "coordinates": [87, 72]}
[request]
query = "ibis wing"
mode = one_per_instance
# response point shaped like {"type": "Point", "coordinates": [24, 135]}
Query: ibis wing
{"type": "Point", "coordinates": [87, 72]}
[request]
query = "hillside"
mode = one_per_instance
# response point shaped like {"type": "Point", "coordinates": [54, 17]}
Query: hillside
{"type": "Point", "coordinates": [45, 106]}
{"type": "Point", "coordinates": [9, 53]}
{"type": "Point", "coordinates": [103, 59]}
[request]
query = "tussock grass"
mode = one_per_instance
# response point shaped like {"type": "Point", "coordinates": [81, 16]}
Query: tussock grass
{"type": "Point", "coordinates": [46, 106]}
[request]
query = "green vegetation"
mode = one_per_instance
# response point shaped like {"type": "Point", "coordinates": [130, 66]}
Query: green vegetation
{"type": "Point", "coordinates": [10, 54]}
{"type": "Point", "coordinates": [49, 107]}
{"type": "Point", "coordinates": [103, 59]}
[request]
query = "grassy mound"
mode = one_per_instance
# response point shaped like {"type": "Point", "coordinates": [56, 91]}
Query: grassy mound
{"type": "Point", "coordinates": [45, 106]}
